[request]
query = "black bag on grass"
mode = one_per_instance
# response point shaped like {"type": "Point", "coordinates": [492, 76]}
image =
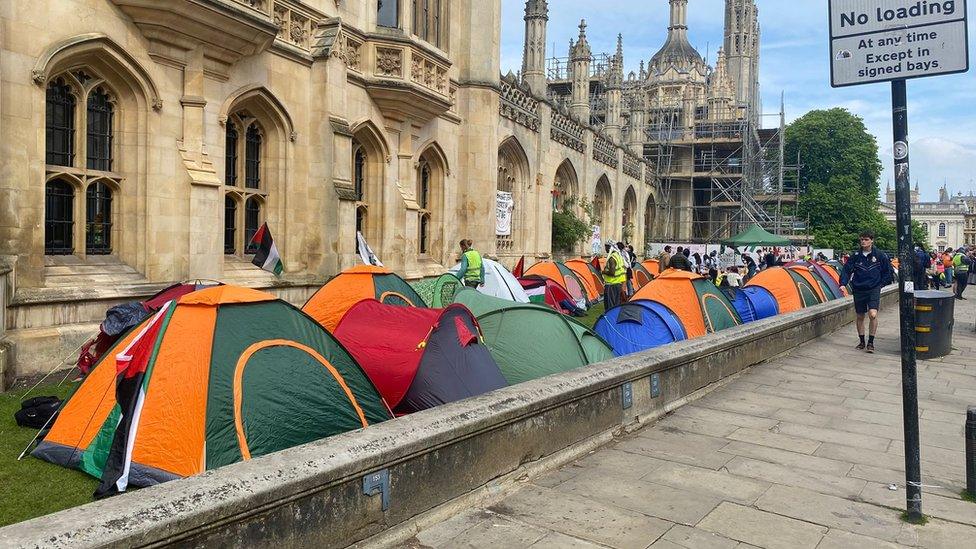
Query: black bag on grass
{"type": "Point", "coordinates": [37, 412]}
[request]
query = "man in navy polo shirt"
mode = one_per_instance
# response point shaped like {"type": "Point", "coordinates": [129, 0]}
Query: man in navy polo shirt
{"type": "Point", "coordinates": [867, 271]}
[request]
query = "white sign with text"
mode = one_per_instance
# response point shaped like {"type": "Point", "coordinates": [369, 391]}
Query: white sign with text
{"type": "Point", "coordinates": [882, 40]}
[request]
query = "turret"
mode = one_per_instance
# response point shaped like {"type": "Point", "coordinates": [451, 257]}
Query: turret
{"type": "Point", "coordinates": [615, 81]}
{"type": "Point", "coordinates": [720, 92]}
{"type": "Point", "coordinates": [742, 49]}
{"type": "Point", "coordinates": [579, 62]}
{"type": "Point", "coordinates": [534, 51]}
{"type": "Point", "coordinates": [638, 107]}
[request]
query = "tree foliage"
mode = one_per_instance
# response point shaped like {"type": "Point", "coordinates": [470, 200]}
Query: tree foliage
{"type": "Point", "coordinates": [568, 228]}
{"type": "Point", "coordinates": [839, 179]}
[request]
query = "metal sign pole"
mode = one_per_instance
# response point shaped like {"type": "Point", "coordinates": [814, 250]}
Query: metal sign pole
{"type": "Point", "coordinates": [906, 254]}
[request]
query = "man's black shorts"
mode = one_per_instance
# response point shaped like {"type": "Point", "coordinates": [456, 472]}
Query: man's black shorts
{"type": "Point", "coordinates": [866, 300]}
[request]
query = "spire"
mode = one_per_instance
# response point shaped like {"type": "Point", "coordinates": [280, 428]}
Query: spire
{"type": "Point", "coordinates": [679, 16]}
{"type": "Point", "coordinates": [580, 56]}
{"type": "Point", "coordinates": [677, 51]}
{"type": "Point", "coordinates": [620, 48]}
{"type": "Point", "coordinates": [582, 47]}
{"type": "Point", "coordinates": [534, 49]}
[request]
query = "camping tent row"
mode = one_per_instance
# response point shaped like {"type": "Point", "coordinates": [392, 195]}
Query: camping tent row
{"type": "Point", "coordinates": [224, 374]}
{"type": "Point", "coordinates": [679, 305]}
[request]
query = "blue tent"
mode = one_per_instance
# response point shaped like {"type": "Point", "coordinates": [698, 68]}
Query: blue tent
{"type": "Point", "coordinates": [639, 325]}
{"type": "Point", "coordinates": [753, 303]}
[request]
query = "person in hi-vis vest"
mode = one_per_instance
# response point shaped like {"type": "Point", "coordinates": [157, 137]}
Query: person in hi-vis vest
{"type": "Point", "coordinates": [614, 276]}
{"type": "Point", "coordinates": [472, 271]}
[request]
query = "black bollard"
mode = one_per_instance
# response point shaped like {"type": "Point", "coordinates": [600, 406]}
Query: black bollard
{"type": "Point", "coordinates": [971, 451]}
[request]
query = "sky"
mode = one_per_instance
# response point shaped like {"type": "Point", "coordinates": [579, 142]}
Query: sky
{"type": "Point", "coordinates": [793, 62]}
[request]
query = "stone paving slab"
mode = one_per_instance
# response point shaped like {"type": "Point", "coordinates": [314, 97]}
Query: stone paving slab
{"type": "Point", "coordinates": [798, 452]}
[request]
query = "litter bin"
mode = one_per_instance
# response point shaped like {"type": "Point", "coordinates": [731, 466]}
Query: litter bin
{"type": "Point", "coordinates": [934, 317]}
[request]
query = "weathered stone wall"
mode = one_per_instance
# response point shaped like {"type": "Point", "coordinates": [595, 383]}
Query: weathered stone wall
{"type": "Point", "coordinates": [313, 495]}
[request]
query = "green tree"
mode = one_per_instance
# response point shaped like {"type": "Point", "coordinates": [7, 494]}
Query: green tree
{"type": "Point", "coordinates": [839, 179]}
{"type": "Point", "coordinates": [568, 228]}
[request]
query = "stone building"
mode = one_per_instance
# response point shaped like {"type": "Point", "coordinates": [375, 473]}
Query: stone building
{"type": "Point", "coordinates": [945, 222]}
{"type": "Point", "coordinates": [145, 142]}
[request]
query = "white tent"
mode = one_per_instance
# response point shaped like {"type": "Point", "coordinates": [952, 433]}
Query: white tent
{"type": "Point", "coordinates": [499, 282]}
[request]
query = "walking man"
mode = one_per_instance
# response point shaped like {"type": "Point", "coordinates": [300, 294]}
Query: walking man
{"type": "Point", "coordinates": [472, 270]}
{"type": "Point", "coordinates": [960, 265]}
{"type": "Point", "coordinates": [614, 276]}
{"type": "Point", "coordinates": [867, 271]}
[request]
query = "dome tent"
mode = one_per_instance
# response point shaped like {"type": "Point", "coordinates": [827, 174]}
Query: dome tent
{"type": "Point", "coordinates": [217, 377]}
{"type": "Point", "coordinates": [753, 303]}
{"type": "Point", "coordinates": [590, 277]}
{"type": "Point", "coordinates": [565, 277]}
{"type": "Point", "coordinates": [699, 304]}
{"type": "Point", "coordinates": [653, 266]}
{"type": "Point", "coordinates": [639, 325]}
{"type": "Point", "coordinates": [829, 286]}
{"type": "Point", "coordinates": [641, 276]}
{"type": "Point", "coordinates": [353, 285]}
{"type": "Point", "coordinates": [791, 290]}
{"type": "Point", "coordinates": [419, 358]}
{"type": "Point", "coordinates": [546, 291]}
{"type": "Point", "coordinates": [438, 292]}
{"type": "Point", "coordinates": [530, 341]}
{"type": "Point", "coordinates": [498, 282]}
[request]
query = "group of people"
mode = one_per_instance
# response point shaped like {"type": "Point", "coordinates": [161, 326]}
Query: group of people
{"type": "Point", "coordinates": [618, 273]}
{"type": "Point", "coordinates": [947, 269]}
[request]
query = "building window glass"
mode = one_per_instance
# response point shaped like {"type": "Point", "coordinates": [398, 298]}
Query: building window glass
{"type": "Point", "coordinates": [252, 221]}
{"type": "Point", "coordinates": [98, 219]}
{"type": "Point", "coordinates": [59, 218]}
{"type": "Point", "coordinates": [100, 115]}
{"type": "Point", "coordinates": [252, 158]}
{"type": "Point", "coordinates": [423, 200]}
{"type": "Point", "coordinates": [942, 230]}
{"type": "Point", "coordinates": [230, 225]}
{"type": "Point", "coordinates": [425, 233]}
{"type": "Point", "coordinates": [361, 213]}
{"type": "Point", "coordinates": [388, 13]}
{"type": "Point", "coordinates": [427, 21]}
{"type": "Point", "coordinates": [359, 175]}
{"type": "Point", "coordinates": [60, 124]}
{"type": "Point", "coordinates": [230, 155]}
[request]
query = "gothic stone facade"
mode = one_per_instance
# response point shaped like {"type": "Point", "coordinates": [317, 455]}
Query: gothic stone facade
{"type": "Point", "coordinates": [144, 142]}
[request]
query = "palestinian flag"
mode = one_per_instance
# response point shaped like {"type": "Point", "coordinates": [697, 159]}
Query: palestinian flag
{"type": "Point", "coordinates": [267, 255]}
{"type": "Point", "coordinates": [130, 392]}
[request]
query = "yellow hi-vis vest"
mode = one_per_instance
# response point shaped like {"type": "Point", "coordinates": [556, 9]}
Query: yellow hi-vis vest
{"type": "Point", "coordinates": [473, 274]}
{"type": "Point", "coordinates": [958, 265]}
{"type": "Point", "coordinates": [619, 275]}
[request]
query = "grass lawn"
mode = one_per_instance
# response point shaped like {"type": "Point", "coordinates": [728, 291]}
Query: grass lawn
{"type": "Point", "coordinates": [31, 487]}
{"type": "Point", "coordinates": [592, 315]}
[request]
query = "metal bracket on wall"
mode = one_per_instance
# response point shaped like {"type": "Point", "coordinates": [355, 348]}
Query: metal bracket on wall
{"type": "Point", "coordinates": [655, 385]}
{"type": "Point", "coordinates": [627, 394]}
{"type": "Point", "coordinates": [378, 483]}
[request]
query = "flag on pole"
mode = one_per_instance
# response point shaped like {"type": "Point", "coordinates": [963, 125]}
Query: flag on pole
{"type": "Point", "coordinates": [267, 255]}
{"type": "Point", "coordinates": [596, 263]}
{"type": "Point", "coordinates": [365, 252]}
{"type": "Point", "coordinates": [519, 270]}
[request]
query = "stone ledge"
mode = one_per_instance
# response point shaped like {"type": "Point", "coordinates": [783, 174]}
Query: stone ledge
{"type": "Point", "coordinates": [312, 495]}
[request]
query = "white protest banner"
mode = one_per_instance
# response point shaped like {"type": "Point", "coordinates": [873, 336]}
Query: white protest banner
{"type": "Point", "coordinates": [504, 206]}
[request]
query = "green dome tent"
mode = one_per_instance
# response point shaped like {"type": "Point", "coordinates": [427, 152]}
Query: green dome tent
{"type": "Point", "coordinates": [530, 341]}
{"type": "Point", "coordinates": [438, 292]}
{"type": "Point", "coordinates": [756, 236]}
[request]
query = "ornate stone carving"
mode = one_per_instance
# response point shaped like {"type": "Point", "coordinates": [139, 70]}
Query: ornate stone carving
{"type": "Point", "coordinates": [389, 62]}
{"type": "Point", "coordinates": [604, 151]}
{"type": "Point", "coordinates": [567, 132]}
{"type": "Point", "coordinates": [519, 107]}
{"type": "Point", "coordinates": [353, 55]}
{"type": "Point", "coordinates": [632, 166]}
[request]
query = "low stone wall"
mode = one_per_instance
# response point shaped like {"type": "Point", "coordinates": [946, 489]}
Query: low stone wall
{"type": "Point", "coordinates": [313, 495]}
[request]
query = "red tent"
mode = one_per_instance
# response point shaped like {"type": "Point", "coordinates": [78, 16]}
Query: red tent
{"type": "Point", "coordinates": [419, 358]}
{"type": "Point", "coordinates": [547, 291]}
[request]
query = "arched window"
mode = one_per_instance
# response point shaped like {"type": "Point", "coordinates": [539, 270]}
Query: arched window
{"type": "Point", "coordinates": [252, 158]}
{"type": "Point", "coordinates": [98, 219]}
{"type": "Point", "coordinates": [245, 196]}
{"type": "Point", "coordinates": [925, 227]}
{"type": "Point", "coordinates": [230, 225]}
{"type": "Point", "coordinates": [230, 155]}
{"type": "Point", "coordinates": [360, 223]}
{"type": "Point", "coordinates": [252, 221]}
{"type": "Point", "coordinates": [59, 218]}
{"type": "Point", "coordinates": [388, 13]}
{"type": "Point", "coordinates": [942, 230]}
{"type": "Point", "coordinates": [423, 200]}
{"type": "Point", "coordinates": [60, 124]}
{"type": "Point", "coordinates": [101, 113]}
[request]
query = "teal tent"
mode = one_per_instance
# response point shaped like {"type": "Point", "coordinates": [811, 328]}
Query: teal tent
{"type": "Point", "coordinates": [756, 236]}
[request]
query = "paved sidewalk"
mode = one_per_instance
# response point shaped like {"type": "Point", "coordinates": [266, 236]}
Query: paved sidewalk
{"type": "Point", "coordinates": [795, 453]}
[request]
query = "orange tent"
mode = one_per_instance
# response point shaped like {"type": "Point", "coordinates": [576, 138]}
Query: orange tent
{"type": "Point", "coordinates": [589, 276]}
{"type": "Point", "coordinates": [642, 276]}
{"type": "Point", "coordinates": [219, 376]}
{"type": "Point", "coordinates": [791, 289]}
{"type": "Point", "coordinates": [351, 286]}
{"type": "Point", "coordinates": [699, 305]}
{"type": "Point", "coordinates": [812, 280]}
{"type": "Point", "coordinates": [653, 266]}
{"type": "Point", "coordinates": [565, 277]}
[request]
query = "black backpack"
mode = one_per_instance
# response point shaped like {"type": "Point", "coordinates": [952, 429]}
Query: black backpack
{"type": "Point", "coordinates": [38, 411]}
